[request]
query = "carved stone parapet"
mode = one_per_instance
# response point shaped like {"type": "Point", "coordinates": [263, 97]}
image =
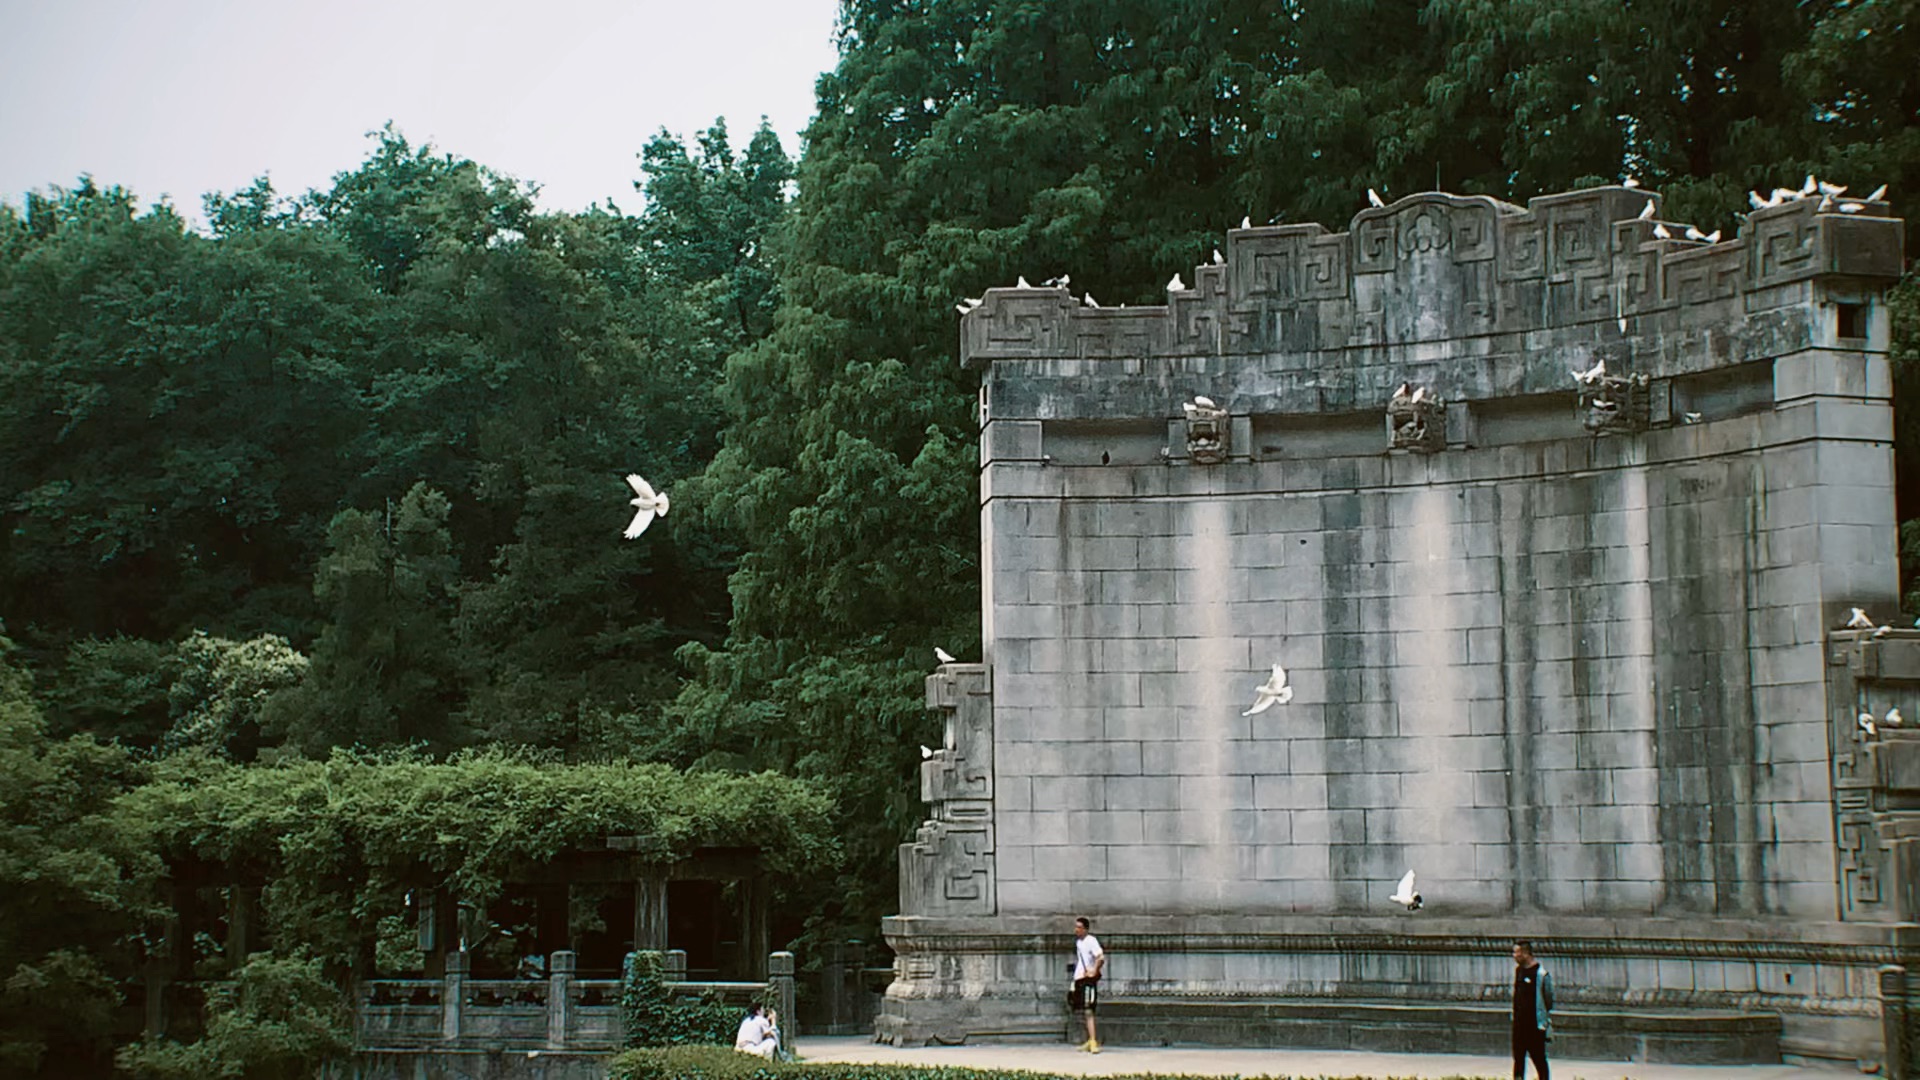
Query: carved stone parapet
{"type": "Point", "coordinates": [1876, 771]}
{"type": "Point", "coordinates": [1615, 404]}
{"type": "Point", "coordinates": [1417, 422]}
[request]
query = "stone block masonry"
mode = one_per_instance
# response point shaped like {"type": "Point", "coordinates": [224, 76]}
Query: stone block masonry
{"type": "Point", "coordinates": [1566, 656]}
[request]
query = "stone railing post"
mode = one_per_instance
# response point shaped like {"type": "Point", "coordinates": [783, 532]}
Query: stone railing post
{"type": "Point", "coordinates": [453, 994]}
{"type": "Point", "coordinates": [1893, 1022]}
{"type": "Point", "coordinates": [676, 969]}
{"type": "Point", "coordinates": [780, 986]}
{"type": "Point", "coordinates": [561, 967]}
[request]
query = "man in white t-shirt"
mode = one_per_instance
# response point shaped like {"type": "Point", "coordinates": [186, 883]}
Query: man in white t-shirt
{"type": "Point", "coordinates": [1089, 960]}
{"type": "Point", "coordinates": [758, 1035]}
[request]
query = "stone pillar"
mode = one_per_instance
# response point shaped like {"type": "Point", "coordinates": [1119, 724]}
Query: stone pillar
{"type": "Point", "coordinates": [780, 988]}
{"type": "Point", "coordinates": [243, 902]}
{"type": "Point", "coordinates": [561, 966]}
{"type": "Point", "coordinates": [453, 994]}
{"type": "Point", "coordinates": [676, 966]}
{"type": "Point", "coordinates": [755, 937]}
{"type": "Point", "coordinates": [438, 929]}
{"type": "Point", "coordinates": [1893, 1022]}
{"type": "Point", "coordinates": [650, 911]}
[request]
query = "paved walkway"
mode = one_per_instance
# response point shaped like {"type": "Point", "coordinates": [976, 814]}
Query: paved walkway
{"type": "Point", "coordinates": [1063, 1059]}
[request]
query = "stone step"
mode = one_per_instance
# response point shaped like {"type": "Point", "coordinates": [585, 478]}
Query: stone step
{"type": "Point", "coordinates": [1676, 1036]}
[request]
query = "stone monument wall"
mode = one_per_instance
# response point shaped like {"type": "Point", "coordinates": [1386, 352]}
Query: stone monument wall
{"type": "Point", "coordinates": [1560, 646]}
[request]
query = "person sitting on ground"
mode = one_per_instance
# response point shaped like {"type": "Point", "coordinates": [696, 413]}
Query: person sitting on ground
{"type": "Point", "coordinates": [758, 1035]}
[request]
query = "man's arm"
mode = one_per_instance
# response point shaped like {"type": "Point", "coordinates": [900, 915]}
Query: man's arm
{"type": "Point", "coordinates": [1099, 964]}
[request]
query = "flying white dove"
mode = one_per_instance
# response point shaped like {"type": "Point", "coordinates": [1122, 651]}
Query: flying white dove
{"type": "Point", "coordinates": [1591, 375]}
{"type": "Point", "coordinates": [1866, 723]}
{"type": "Point", "coordinates": [1405, 894]}
{"type": "Point", "coordinates": [647, 503]}
{"type": "Point", "coordinates": [1893, 717]}
{"type": "Point", "coordinates": [1176, 285]}
{"type": "Point", "coordinates": [1060, 282]}
{"type": "Point", "coordinates": [1859, 621]}
{"type": "Point", "coordinates": [966, 305]}
{"type": "Point", "coordinates": [1876, 194]}
{"type": "Point", "coordinates": [942, 655]}
{"type": "Point", "coordinates": [1274, 691]}
{"type": "Point", "coordinates": [1204, 401]}
{"type": "Point", "coordinates": [1832, 189]}
{"type": "Point", "coordinates": [1374, 198]}
{"type": "Point", "coordinates": [1647, 210]}
{"type": "Point", "coordinates": [1660, 231]}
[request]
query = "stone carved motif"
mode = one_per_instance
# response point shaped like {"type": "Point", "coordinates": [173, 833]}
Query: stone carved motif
{"type": "Point", "coordinates": [1417, 420]}
{"type": "Point", "coordinates": [948, 868]}
{"type": "Point", "coordinates": [1467, 264]}
{"type": "Point", "coordinates": [1207, 431]}
{"type": "Point", "coordinates": [1615, 404]}
{"type": "Point", "coordinates": [1876, 773]}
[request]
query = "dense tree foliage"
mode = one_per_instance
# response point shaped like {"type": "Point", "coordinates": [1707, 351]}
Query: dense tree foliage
{"type": "Point", "coordinates": [310, 519]}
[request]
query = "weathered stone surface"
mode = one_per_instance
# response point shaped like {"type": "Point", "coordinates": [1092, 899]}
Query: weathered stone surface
{"type": "Point", "coordinates": [1581, 685]}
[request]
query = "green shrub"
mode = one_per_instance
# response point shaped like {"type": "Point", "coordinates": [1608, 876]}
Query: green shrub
{"type": "Point", "coordinates": [656, 1016]}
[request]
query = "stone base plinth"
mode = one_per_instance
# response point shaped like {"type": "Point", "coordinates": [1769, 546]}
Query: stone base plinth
{"type": "Point", "coordinates": [1694, 1037]}
{"type": "Point", "coordinates": [1651, 989]}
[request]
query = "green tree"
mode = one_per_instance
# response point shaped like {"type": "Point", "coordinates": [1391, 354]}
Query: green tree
{"type": "Point", "coordinates": [276, 1019]}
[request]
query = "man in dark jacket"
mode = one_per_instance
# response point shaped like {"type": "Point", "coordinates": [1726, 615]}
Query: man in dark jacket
{"type": "Point", "coordinates": [1532, 1012]}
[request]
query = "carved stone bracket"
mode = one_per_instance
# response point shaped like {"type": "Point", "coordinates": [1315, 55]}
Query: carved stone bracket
{"type": "Point", "coordinates": [1207, 432]}
{"type": "Point", "coordinates": [948, 868]}
{"type": "Point", "coordinates": [1417, 421]}
{"type": "Point", "coordinates": [1615, 404]}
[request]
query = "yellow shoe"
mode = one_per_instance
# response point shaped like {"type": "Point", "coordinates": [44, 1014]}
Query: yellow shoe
{"type": "Point", "coordinates": [1085, 1047]}
{"type": "Point", "coordinates": [1092, 1047]}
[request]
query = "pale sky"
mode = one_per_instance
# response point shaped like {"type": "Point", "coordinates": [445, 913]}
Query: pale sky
{"type": "Point", "coordinates": [181, 97]}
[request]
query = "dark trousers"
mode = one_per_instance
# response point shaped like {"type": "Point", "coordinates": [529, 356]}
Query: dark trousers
{"type": "Point", "coordinates": [1529, 1042]}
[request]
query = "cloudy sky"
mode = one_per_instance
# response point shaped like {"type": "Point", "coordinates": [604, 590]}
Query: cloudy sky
{"type": "Point", "coordinates": [181, 97]}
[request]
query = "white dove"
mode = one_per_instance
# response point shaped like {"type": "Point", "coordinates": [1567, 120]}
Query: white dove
{"type": "Point", "coordinates": [1204, 401]}
{"type": "Point", "coordinates": [1218, 259]}
{"type": "Point", "coordinates": [1630, 182]}
{"type": "Point", "coordinates": [1852, 207]}
{"type": "Point", "coordinates": [1693, 233]}
{"type": "Point", "coordinates": [1893, 717]}
{"type": "Point", "coordinates": [1089, 301]}
{"type": "Point", "coordinates": [1876, 194]}
{"type": "Point", "coordinates": [1713, 237]}
{"type": "Point", "coordinates": [1403, 393]}
{"type": "Point", "coordinates": [1246, 222]}
{"type": "Point", "coordinates": [1373, 197]}
{"type": "Point", "coordinates": [1405, 894]}
{"type": "Point", "coordinates": [942, 655]}
{"type": "Point", "coordinates": [1646, 211]}
{"type": "Point", "coordinates": [927, 751]}
{"type": "Point", "coordinates": [1859, 621]}
{"type": "Point", "coordinates": [1832, 189]}
{"type": "Point", "coordinates": [1419, 394]}
{"type": "Point", "coordinates": [647, 504]}
{"type": "Point", "coordinates": [1021, 282]}
{"type": "Point", "coordinates": [1661, 232]}
{"type": "Point", "coordinates": [1592, 374]}
{"type": "Point", "coordinates": [1691, 417]}
{"type": "Point", "coordinates": [1176, 285]}
{"type": "Point", "coordinates": [1274, 691]}
{"type": "Point", "coordinates": [1866, 723]}
{"type": "Point", "coordinates": [1809, 187]}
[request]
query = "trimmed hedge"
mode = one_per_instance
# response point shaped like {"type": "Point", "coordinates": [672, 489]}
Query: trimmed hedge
{"type": "Point", "coordinates": [725, 1063]}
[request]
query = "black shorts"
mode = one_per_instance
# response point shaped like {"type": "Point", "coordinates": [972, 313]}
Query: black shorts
{"type": "Point", "coordinates": [1085, 995]}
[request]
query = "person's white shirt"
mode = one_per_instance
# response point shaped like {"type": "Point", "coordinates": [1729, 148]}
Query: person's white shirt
{"type": "Point", "coordinates": [757, 1036]}
{"type": "Point", "coordinates": [1086, 950]}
